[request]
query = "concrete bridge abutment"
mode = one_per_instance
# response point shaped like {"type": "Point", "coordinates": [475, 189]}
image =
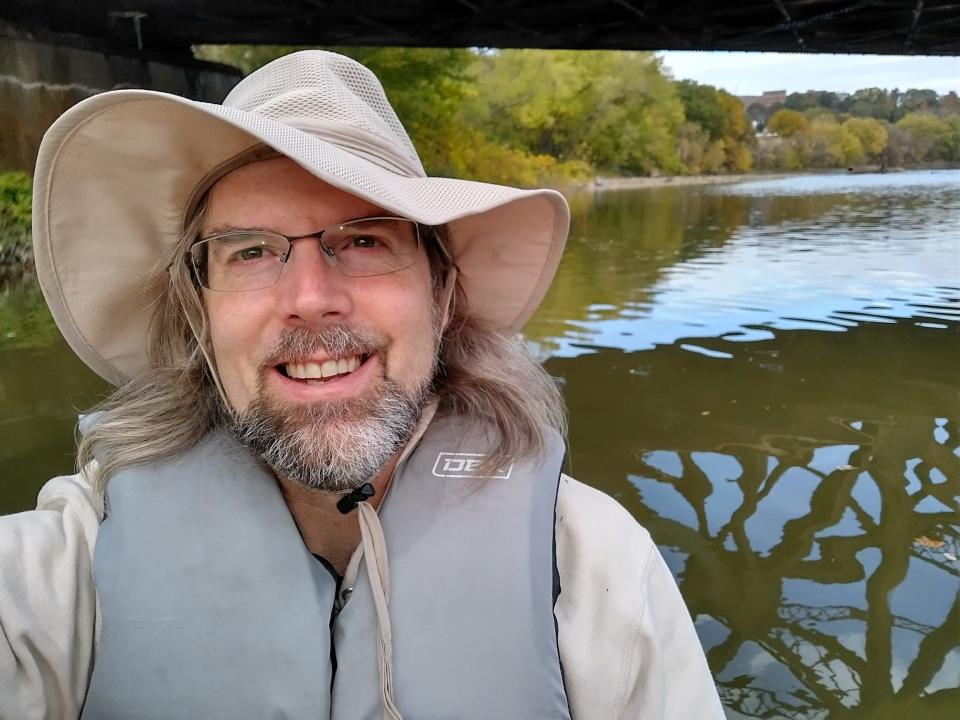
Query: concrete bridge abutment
{"type": "Point", "coordinates": [39, 80]}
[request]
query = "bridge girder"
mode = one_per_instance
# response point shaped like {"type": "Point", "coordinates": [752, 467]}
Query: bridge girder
{"type": "Point", "coordinates": [899, 27]}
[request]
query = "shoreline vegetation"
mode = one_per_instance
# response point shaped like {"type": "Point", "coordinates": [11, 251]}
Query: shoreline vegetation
{"type": "Point", "coordinates": [565, 117]}
{"type": "Point", "coordinates": [600, 120]}
{"type": "Point", "coordinates": [16, 251]}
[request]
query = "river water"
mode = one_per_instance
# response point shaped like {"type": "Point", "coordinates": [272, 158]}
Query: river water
{"type": "Point", "coordinates": [767, 375]}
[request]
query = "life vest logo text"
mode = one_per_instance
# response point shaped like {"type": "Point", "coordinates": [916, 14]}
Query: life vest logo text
{"type": "Point", "coordinates": [465, 465]}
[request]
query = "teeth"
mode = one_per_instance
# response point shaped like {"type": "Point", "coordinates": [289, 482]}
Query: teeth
{"type": "Point", "coordinates": [329, 368]}
{"type": "Point", "coordinates": [326, 369]}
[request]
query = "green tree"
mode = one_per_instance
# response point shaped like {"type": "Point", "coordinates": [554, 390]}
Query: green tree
{"type": "Point", "coordinates": [871, 102]}
{"type": "Point", "coordinates": [632, 113]}
{"type": "Point", "coordinates": [701, 105]}
{"type": "Point", "coordinates": [798, 102]}
{"type": "Point", "coordinates": [529, 100]}
{"type": "Point", "coordinates": [726, 123]}
{"type": "Point", "coordinates": [913, 100]}
{"type": "Point", "coordinates": [802, 102]}
{"type": "Point", "coordinates": [615, 110]}
{"type": "Point", "coordinates": [426, 86]}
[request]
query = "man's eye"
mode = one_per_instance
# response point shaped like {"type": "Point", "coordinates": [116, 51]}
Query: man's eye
{"type": "Point", "coordinates": [250, 253]}
{"type": "Point", "coordinates": [365, 241]}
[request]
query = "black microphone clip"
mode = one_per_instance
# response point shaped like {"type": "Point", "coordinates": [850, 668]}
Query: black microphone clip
{"type": "Point", "coordinates": [349, 502]}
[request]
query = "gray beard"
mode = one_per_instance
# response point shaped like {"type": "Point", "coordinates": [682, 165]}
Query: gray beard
{"type": "Point", "coordinates": [336, 446]}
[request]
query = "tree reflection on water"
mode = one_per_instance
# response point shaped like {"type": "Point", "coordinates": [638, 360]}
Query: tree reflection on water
{"type": "Point", "coordinates": [805, 494]}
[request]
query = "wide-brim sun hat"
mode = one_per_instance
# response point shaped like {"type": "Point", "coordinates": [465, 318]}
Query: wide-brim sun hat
{"type": "Point", "coordinates": [118, 174]}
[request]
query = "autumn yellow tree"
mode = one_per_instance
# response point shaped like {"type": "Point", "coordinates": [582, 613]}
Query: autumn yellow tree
{"type": "Point", "coordinates": [787, 123]}
{"type": "Point", "coordinates": [866, 138]}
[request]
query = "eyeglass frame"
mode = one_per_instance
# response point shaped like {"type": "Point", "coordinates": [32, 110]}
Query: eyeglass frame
{"type": "Point", "coordinates": [329, 252]}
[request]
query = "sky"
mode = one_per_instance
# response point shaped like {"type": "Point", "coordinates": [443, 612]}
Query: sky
{"type": "Point", "coordinates": [743, 73]}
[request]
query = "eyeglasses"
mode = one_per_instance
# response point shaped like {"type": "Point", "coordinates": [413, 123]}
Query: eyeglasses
{"type": "Point", "coordinates": [253, 259]}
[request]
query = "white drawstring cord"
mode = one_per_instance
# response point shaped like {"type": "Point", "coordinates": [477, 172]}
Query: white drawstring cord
{"type": "Point", "coordinates": [378, 573]}
{"type": "Point", "coordinates": [374, 553]}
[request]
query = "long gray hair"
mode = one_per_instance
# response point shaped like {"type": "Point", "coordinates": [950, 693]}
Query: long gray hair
{"type": "Point", "coordinates": [484, 375]}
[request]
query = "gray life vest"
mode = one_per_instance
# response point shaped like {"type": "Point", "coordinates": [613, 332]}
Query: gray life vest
{"type": "Point", "coordinates": [212, 607]}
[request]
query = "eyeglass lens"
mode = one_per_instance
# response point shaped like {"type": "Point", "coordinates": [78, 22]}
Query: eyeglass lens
{"type": "Point", "coordinates": [253, 259]}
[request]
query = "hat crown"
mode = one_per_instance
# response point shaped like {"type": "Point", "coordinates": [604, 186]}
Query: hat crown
{"type": "Point", "coordinates": [315, 88]}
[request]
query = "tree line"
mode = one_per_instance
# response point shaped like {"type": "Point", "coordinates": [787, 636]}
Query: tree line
{"type": "Point", "coordinates": [532, 116]}
{"type": "Point", "coordinates": [872, 126]}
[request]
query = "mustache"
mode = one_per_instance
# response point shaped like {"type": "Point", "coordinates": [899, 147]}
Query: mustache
{"type": "Point", "coordinates": [335, 340]}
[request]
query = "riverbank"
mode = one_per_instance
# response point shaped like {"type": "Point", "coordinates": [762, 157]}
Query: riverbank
{"type": "Point", "coordinates": [636, 183]}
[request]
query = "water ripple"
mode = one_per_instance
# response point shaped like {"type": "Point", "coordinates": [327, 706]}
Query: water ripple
{"type": "Point", "coordinates": [846, 251]}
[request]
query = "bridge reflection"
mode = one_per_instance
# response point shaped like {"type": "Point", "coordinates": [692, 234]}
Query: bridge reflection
{"type": "Point", "coordinates": [811, 521]}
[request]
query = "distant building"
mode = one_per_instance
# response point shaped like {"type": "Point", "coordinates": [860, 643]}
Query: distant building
{"type": "Point", "coordinates": [767, 100]}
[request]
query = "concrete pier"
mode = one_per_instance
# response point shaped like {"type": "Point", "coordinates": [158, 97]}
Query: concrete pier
{"type": "Point", "coordinates": [39, 80]}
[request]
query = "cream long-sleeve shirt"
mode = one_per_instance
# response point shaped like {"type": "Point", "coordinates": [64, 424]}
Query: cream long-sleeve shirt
{"type": "Point", "coordinates": [628, 646]}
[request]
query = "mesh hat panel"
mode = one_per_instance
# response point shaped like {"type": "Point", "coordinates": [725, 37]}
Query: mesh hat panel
{"type": "Point", "coordinates": [340, 91]}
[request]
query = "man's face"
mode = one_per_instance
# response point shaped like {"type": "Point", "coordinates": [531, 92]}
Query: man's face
{"type": "Point", "coordinates": [332, 433]}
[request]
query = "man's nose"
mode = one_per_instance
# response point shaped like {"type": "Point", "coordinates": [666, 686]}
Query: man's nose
{"type": "Point", "coordinates": [311, 288]}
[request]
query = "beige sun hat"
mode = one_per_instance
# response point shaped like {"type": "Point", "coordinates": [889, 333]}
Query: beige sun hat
{"type": "Point", "coordinates": [117, 173]}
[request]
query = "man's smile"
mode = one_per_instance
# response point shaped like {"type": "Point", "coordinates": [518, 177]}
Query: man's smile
{"type": "Point", "coordinates": [318, 369]}
{"type": "Point", "coordinates": [330, 379]}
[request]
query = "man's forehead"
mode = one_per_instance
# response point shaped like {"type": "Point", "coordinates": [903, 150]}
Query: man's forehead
{"type": "Point", "coordinates": [272, 190]}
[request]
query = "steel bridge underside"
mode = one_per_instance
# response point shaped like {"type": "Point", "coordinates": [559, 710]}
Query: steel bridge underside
{"type": "Point", "coordinates": [171, 27]}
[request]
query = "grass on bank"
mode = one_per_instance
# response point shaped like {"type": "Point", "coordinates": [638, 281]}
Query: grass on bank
{"type": "Point", "coordinates": [16, 191]}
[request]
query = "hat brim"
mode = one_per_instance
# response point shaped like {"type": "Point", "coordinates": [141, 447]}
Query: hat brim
{"type": "Point", "coordinates": [116, 173]}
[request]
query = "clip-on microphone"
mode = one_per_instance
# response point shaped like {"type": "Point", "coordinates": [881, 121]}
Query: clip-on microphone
{"type": "Point", "coordinates": [349, 502]}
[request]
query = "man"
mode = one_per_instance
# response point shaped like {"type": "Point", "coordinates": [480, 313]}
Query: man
{"type": "Point", "coordinates": [327, 485]}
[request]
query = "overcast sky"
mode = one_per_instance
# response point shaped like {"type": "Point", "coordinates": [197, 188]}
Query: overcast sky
{"type": "Point", "coordinates": [743, 73]}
